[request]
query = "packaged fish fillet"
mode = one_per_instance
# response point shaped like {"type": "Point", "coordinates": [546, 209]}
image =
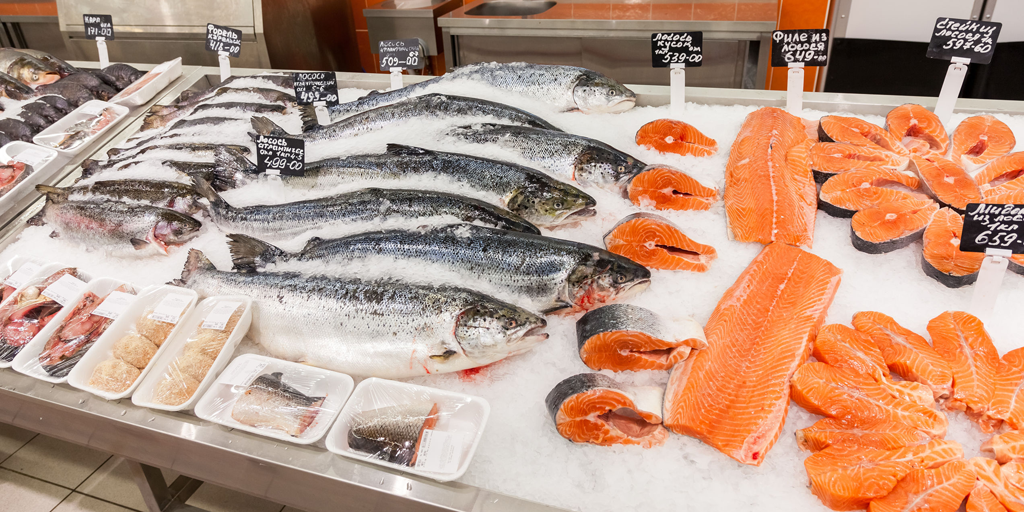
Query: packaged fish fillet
{"type": "Point", "coordinates": [30, 308]}
{"type": "Point", "coordinates": [420, 430]}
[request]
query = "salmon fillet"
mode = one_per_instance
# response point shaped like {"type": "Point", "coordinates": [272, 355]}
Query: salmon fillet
{"type": "Point", "coordinates": [1006, 447]}
{"type": "Point", "coordinates": [906, 353]}
{"type": "Point", "coordinates": [1006, 482]}
{"type": "Point", "coordinates": [665, 188]}
{"type": "Point", "coordinates": [981, 499]}
{"type": "Point", "coordinates": [942, 258]}
{"type": "Point", "coordinates": [851, 130]}
{"type": "Point", "coordinates": [734, 395]}
{"type": "Point", "coordinates": [671, 136]}
{"type": "Point", "coordinates": [961, 340]}
{"type": "Point", "coordinates": [883, 435]}
{"type": "Point", "coordinates": [654, 242]}
{"type": "Point", "coordinates": [978, 140]}
{"type": "Point", "coordinates": [1008, 390]}
{"type": "Point", "coordinates": [942, 489]}
{"type": "Point", "coordinates": [918, 129]}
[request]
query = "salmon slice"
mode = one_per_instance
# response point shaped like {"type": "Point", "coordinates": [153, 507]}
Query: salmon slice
{"type": "Point", "coordinates": [1002, 180]}
{"type": "Point", "coordinates": [767, 200]}
{"type": "Point", "coordinates": [906, 353]}
{"type": "Point", "coordinates": [734, 395]}
{"type": "Point", "coordinates": [851, 130]}
{"type": "Point", "coordinates": [849, 477]}
{"type": "Point", "coordinates": [942, 489]}
{"type": "Point", "coordinates": [623, 337]}
{"type": "Point", "coordinates": [654, 242]}
{"type": "Point", "coordinates": [918, 129]}
{"type": "Point", "coordinates": [981, 499]}
{"type": "Point", "coordinates": [1017, 260]}
{"type": "Point", "coordinates": [1008, 390]}
{"type": "Point", "coordinates": [883, 435]}
{"type": "Point", "coordinates": [831, 158]}
{"type": "Point", "coordinates": [1006, 482]}
{"type": "Point", "coordinates": [671, 136]}
{"type": "Point", "coordinates": [891, 226]}
{"type": "Point", "coordinates": [946, 181]}
{"type": "Point", "coordinates": [961, 340]}
{"type": "Point", "coordinates": [978, 140]}
{"type": "Point", "coordinates": [592, 408]}
{"type": "Point", "coordinates": [850, 192]}
{"type": "Point", "coordinates": [942, 259]}
{"type": "Point", "coordinates": [665, 188]}
{"type": "Point", "coordinates": [1006, 447]}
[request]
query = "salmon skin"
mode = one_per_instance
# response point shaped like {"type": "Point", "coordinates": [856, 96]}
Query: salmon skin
{"type": "Point", "coordinates": [851, 130]}
{"type": "Point", "coordinates": [942, 259]}
{"type": "Point", "coordinates": [623, 337]}
{"type": "Point", "coordinates": [906, 353]}
{"type": "Point", "coordinates": [891, 226]}
{"type": "Point", "coordinates": [942, 489]}
{"type": "Point", "coordinates": [671, 136]}
{"type": "Point", "coordinates": [961, 340]}
{"type": "Point", "coordinates": [918, 129]}
{"type": "Point", "coordinates": [666, 188]}
{"type": "Point", "coordinates": [1002, 180]}
{"type": "Point", "coordinates": [1007, 402]}
{"type": "Point", "coordinates": [884, 435]}
{"type": "Point", "coordinates": [734, 395]}
{"type": "Point", "coordinates": [393, 433]}
{"type": "Point", "coordinates": [766, 198]}
{"type": "Point", "coordinates": [654, 242]}
{"type": "Point", "coordinates": [946, 181]}
{"type": "Point", "coordinates": [592, 408]}
{"type": "Point", "coordinates": [831, 158]}
{"type": "Point", "coordinates": [846, 194]}
{"type": "Point", "coordinates": [978, 140]}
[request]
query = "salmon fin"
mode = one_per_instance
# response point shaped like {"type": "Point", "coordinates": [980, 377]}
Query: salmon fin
{"type": "Point", "coordinates": [249, 254]}
{"type": "Point", "coordinates": [196, 262]}
{"type": "Point", "coordinates": [403, 150]}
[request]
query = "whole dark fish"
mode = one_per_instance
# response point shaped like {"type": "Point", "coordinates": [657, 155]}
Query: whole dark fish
{"type": "Point", "coordinates": [62, 67]}
{"type": "Point", "coordinates": [4, 139]}
{"type": "Point", "coordinates": [372, 328]}
{"type": "Point", "coordinates": [193, 170]}
{"type": "Point", "coordinates": [282, 80]}
{"type": "Point", "coordinates": [107, 80]}
{"type": "Point", "coordinates": [176, 196]}
{"type": "Point", "coordinates": [17, 129]}
{"type": "Point", "coordinates": [564, 155]}
{"type": "Point", "coordinates": [76, 94]}
{"type": "Point", "coordinates": [539, 273]}
{"type": "Point", "coordinates": [157, 120]}
{"type": "Point", "coordinates": [34, 121]}
{"type": "Point", "coordinates": [180, 128]}
{"type": "Point", "coordinates": [191, 149]}
{"type": "Point", "coordinates": [26, 68]}
{"type": "Point", "coordinates": [96, 86]}
{"type": "Point", "coordinates": [14, 89]}
{"type": "Point", "coordinates": [57, 102]}
{"type": "Point", "coordinates": [44, 110]}
{"type": "Point", "coordinates": [123, 74]}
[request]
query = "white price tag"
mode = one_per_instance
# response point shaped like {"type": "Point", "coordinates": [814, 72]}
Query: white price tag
{"type": "Point", "coordinates": [245, 374]}
{"type": "Point", "coordinates": [32, 157]}
{"type": "Point", "coordinates": [64, 289]}
{"type": "Point", "coordinates": [170, 308]}
{"type": "Point", "coordinates": [218, 318]}
{"type": "Point", "coordinates": [21, 276]}
{"type": "Point", "coordinates": [439, 452]}
{"type": "Point", "coordinates": [114, 305]}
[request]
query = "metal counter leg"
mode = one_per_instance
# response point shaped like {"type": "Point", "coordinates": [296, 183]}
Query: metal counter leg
{"type": "Point", "coordinates": [159, 496]}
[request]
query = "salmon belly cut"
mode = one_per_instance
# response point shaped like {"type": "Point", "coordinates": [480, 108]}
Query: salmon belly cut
{"type": "Point", "coordinates": [671, 136]}
{"type": "Point", "coordinates": [654, 242]}
{"type": "Point", "coordinates": [623, 337]}
{"type": "Point", "coordinates": [891, 226]}
{"type": "Point", "coordinates": [942, 489]}
{"type": "Point", "coordinates": [918, 129]}
{"type": "Point", "coordinates": [942, 258]}
{"type": "Point", "coordinates": [593, 408]}
{"type": "Point", "coordinates": [906, 353]}
{"type": "Point", "coordinates": [981, 499]}
{"type": "Point", "coordinates": [831, 158]}
{"type": "Point", "coordinates": [978, 140]}
{"type": "Point", "coordinates": [1006, 482]}
{"type": "Point", "coordinates": [734, 395]}
{"type": "Point", "coordinates": [884, 435]}
{"type": "Point", "coordinates": [850, 192]}
{"type": "Point", "coordinates": [851, 130]}
{"type": "Point", "coordinates": [961, 340]}
{"type": "Point", "coordinates": [1002, 180]}
{"type": "Point", "coordinates": [1007, 402]}
{"type": "Point", "coordinates": [947, 181]}
{"type": "Point", "coordinates": [665, 188]}
{"type": "Point", "coordinates": [766, 198]}
{"type": "Point", "coordinates": [1006, 447]}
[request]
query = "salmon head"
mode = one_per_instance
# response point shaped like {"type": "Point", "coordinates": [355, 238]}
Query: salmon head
{"type": "Point", "coordinates": [595, 93]}
{"type": "Point", "coordinates": [492, 330]}
{"type": "Point", "coordinates": [172, 229]}
{"type": "Point", "coordinates": [605, 167]}
{"type": "Point", "coordinates": [604, 278]}
{"type": "Point", "coordinates": [32, 72]}
{"type": "Point", "coordinates": [550, 202]}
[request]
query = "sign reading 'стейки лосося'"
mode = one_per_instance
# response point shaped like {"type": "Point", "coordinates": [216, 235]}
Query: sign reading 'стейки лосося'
{"type": "Point", "coordinates": [967, 39]}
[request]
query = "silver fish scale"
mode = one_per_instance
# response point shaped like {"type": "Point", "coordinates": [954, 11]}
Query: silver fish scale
{"type": "Point", "coordinates": [620, 317]}
{"type": "Point", "coordinates": [154, 192]}
{"type": "Point", "coordinates": [390, 433]}
{"type": "Point", "coordinates": [108, 223]}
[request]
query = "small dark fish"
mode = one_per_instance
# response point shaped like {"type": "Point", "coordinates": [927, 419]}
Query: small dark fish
{"type": "Point", "coordinates": [16, 130]}
{"type": "Point", "coordinates": [191, 148]}
{"type": "Point", "coordinates": [178, 129]}
{"type": "Point", "coordinates": [96, 86]}
{"type": "Point", "coordinates": [270, 403]}
{"type": "Point", "coordinates": [62, 67]}
{"type": "Point", "coordinates": [4, 139]}
{"type": "Point", "coordinates": [392, 433]}
{"type": "Point", "coordinates": [123, 74]}
{"type": "Point", "coordinates": [57, 102]}
{"type": "Point", "coordinates": [14, 89]}
{"type": "Point", "coordinates": [37, 122]}
{"type": "Point", "coordinates": [165, 194]}
{"type": "Point", "coordinates": [105, 78]}
{"type": "Point", "coordinates": [44, 110]}
{"type": "Point", "coordinates": [76, 94]}
{"type": "Point", "coordinates": [160, 117]}
{"type": "Point", "coordinates": [200, 97]}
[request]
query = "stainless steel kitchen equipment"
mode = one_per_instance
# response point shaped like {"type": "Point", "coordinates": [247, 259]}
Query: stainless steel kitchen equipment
{"type": "Point", "coordinates": [407, 19]}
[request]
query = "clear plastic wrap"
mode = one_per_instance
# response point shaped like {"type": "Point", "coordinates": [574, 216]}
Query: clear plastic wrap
{"type": "Point", "coordinates": [74, 131]}
{"type": "Point", "coordinates": [279, 399]}
{"type": "Point", "coordinates": [416, 429]}
{"type": "Point", "coordinates": [32, 306]}
{"type": "Point", "coordinates": [200, 350]}
{"type": "Point", "coordinates": [16, 273]}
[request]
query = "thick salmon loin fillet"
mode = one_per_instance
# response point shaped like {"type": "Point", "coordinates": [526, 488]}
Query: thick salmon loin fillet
{"type": "Point", "coordinates": [852, 130]}
{"type": "Point", "coordinates": [978, 140]}
{"type": "Point", "coordinates": [918, 129]}
{"type": "Point", "coordinates": [849, 477]}
{"type": "Point", "coordinates": [942, 489]}
{"type": "Point", "coordinates": [665, 188]}
{"type": "Point", "coordinates": [1006, 447]}
{"type": "Point", "coordinates": [593, 408]}
{"type": "Point", "coordinates": [623, 337]}
{"type": "Point", "coordinates": [1002, 180]}
{"type": "Point", "coordinates": [884, 435]}
{"type": "Point", "coordinates": [906, 353]}
{"type": "Point", "coordinates": [767, 199]}
{"type": "Point", "coordinates": [831, 158]}
{"type": "Point", "coordinates": [946, 181]}
{"type": "Point", "coordinates": [1006, 482]}
{"type": "Point", "coordinates": [850, 192]}
{"type": "Point", "coordinates": [654, 242]}
{"type": "Point", "coordinates": [671, 136]}
{"type": "Point", "coordinates": [961, 340]}
{"type": "Point", "coordinates": [942, 258]}
{"type": "Point", "coordinates": [734, 394]}
{"type": "Point", "coordinates": [981, 499]}
{"type": "Point", "coordinates": [1008, 390]}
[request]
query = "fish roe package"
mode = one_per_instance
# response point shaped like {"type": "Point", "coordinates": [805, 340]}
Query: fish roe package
{"type": "Point", "coordinates": [33, 305]}
{"type": "Point", "coordinates": [122, 356]}
{"type": "Point", "coordinates": [424, 431]}
{"type": "Point", "coordinates": [274, 398]}
{"type": "Point", "coordinates": [201, 349]}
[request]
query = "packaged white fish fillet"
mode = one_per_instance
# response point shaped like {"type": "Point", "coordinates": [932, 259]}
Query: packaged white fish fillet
{"type": "Point", "coordinates": [416, 429]}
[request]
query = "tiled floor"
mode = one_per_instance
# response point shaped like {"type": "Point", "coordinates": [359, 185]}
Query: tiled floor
{"type": "Point", "coordinates": [42, 474]}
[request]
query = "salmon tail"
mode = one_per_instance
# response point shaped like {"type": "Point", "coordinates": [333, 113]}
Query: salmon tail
{"type": "Point", "coordinates": [204, 189]}
{"type": "Point", "coordinates": [232, 168]}
{"type": "Point", "coordinates": [263, 126]}
{"type": "Point", "coordinates": [53, 194]}
{"type": "Point", "coordinates": [89, 168]}
{"type": "Point", "coordinates": [186, 95]}
{"type": "Point", "coordinates": [249, 254]}
{"type": "Point", "coordinates": [308, 115]}
{"type": "Point", "coordinates": [197, 261]}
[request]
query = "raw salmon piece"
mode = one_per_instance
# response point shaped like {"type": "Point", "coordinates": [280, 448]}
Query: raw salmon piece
{"type": "Point", "coordinates": [592, 408]}
{"type": "Point", "coordinates": [671, 136]}
{"type": "Point", "coordinates": [654, 242]}
{"type": "Point", "coordinates": [851, 130]}
{"type": "Point", "coordinates": [847, 395]}
{"type": "Point", "coordinates": [1017, 260]}
{"type": "Point", "coordinates": [942, 258]}
{"type": "Point", "coordinates": [666, 188]}
{"type": "Point", "coordinates": [831, 158]}
{"type": "Point", "coordinates": [767, 200]}
{"type": "Point", "coordinates": [1006, 482]}
{"type": "Point", "coordinates": [961, 340]}
{"type": "Point", "coordinates": [734, 395]}
{"type": "Point", "coordinates": [1008, 390]}
{"type": "Point", "coordinates": [1002, 180]}
{"type": "Point", "coordinates": [891, 226]}
{"type": "Point", "coordinates": [978, 140]}
{"type": "Point", "coordinates": [884, 435]}
{"type": "Point", "coordinates": [981, 499]}
{"type": "Point", "coordinates": [1006, 447]}
{"type": "Point", "coordinates": [849, 477]}
{"type": "Point", "coordinates": [918, 129]}
{"type": "Point", "coordinates": [942, 489]}
{"type": "Point", "coordinates": [906, 353]}
{"type": "Point", "coordinates": [623, 337]}
{"type": "Point", "coordinates": [850, 192]}
{"type": "Point", "coordinates": [946, 181]}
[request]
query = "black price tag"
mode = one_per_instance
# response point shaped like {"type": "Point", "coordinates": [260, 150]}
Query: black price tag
{"type": "Point", "coordinates": [283, 154]}
{"type": "Point", "coordinates": [669, 48]}
{"type": "Point", "coordinates": [318, 86]}
{"type": "Point", "coordinates": [968, 39]}
{"type": "Point", "coordinates": [401, 53]}
{"type": "Point", "coordinates": [995, 226]}
{"type": "Point", "coordinates": [99, 25]}
{"type": "Point", "coordinates": [223, 39]}
{"type": "Point", "coordinates": [808, 46]}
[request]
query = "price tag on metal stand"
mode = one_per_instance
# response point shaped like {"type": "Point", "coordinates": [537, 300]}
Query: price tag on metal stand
{"type": "Point", "coordinates": [225, 42]}
{"type": "Point", "coordinates": [998, 231]}
{"type": "Point", "coordinates": [100, 27]}
{"type": "Point", "coordinates": [796, 49]}
{"type": "Point", "coordinates": [281, 155]}
{"type": "Point", "coordinates": [320, 86]}
{"type": "Point", "coordinates": [962, 42]}
{"type": "Point", "coordinates": [677, 50]}
{"type": "Point", "coordinates": [399, 54]}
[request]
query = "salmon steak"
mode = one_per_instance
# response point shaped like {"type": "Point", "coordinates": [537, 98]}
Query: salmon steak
{"type": "Point", "coordinates": [654, 242]}
{"type": "Point", "coordinates": [942, 489]}
{"type": "Point", "coordinates": [665, 188]}
{"type": "Point", "coordinates": [946, 181]}
{"type": "Point", "coordinates": [849, 477]}
{"type": "Point", "coordinates": [1006, 447]}
{"type": "Point", "coordinates": [906, 353]}
{"type": "Point", "coordinates": [852, 130]}
{"type": "Point", "coordinates": [891, 226]}
{"type": "Point", "coordinates": [1002, 180]}
{"type": "Point", "coordinates": [918, 129]}
{"type": "Point", "coordinates": [592, 408]}
{"type": "Point", "coordinates": [883, 435]}
{"type": "Point", "coordinates": [734, 395]}
{"type": "Point", "coordinates": [623, 337]}
{"type": "Point", "coordinates": [961, 340]}
{"type": "Point", "coordinates": [766, 199]}
{"type": "Point", "coordinates": [853, 191]}
{"type": "Point", "coordinates": [671, 136]}
{"type": "Point", "coordinates": [1017, 260]}
{"type": "Point", "coordinates": [942, 259]}
{"type": "Point", "coordinates": [978, 140]}
{"type": "Point", "coordinates": [1007, 402]}
{"type": "Point", "coordinates": [981, 499]}
{"type": "Point", "coordinates": [831, 158]}
{"type": "Point", "coordinates": [1006, 482]}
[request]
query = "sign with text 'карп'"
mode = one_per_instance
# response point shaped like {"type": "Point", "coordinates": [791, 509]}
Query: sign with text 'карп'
{"type": "Point", "coordinates": [99, 25]}
{"type": "Point", "coordinates": [223, 39]}
{"type": "Point", "coordinates": [401, 53]}
{"type": "Point", "coordinates": [284, 155]}
{"type": "Point", "coordinates": [314, 87]}
{"type": "Point", "coordinates": [808, 47]}
{"type": "Point", "coordinates": [669, 48]}
{"type": "Point", "coordinates": [967, 39]}
{"type": "Point", "coordinates": [993, 226]}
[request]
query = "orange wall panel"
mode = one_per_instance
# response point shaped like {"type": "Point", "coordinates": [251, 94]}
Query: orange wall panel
{"type": "Point", "coordinates": [792, 15]}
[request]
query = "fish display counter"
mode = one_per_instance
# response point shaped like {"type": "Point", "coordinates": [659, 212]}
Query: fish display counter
{"type": "Point", "coordinates": [485, 292]}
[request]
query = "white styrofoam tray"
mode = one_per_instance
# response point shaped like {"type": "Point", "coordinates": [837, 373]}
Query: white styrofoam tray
{"type": "Point", "coordinates": [90, 109]}
{"type": "Point", "coordinates": [43, 272]}
{"type": "Point", "coordinates": [43, 161]}
{"type": "Point", "coordinates": [166, 73]}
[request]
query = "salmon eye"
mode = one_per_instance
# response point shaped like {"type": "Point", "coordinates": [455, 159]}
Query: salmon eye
{"type": "Point", "coordinates": [35, 77]}
{"type": "Point", "coordinates": [558, 204]}
{"type": "Point", "coordinates": [622, 169]}
{"type": "Point", "coordinates": [620, 278]}
{"type": "Point", "coordinates": [510, 324]}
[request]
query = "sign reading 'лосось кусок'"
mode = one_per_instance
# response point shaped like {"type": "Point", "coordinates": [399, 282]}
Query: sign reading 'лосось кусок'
{"type": "Point", "coordinates": [967, 39]}
{"type": "Point", "coordinates": [669, 48]}
{"type": "Point", "coordinates": [993, 226]}
{"type": "Point", "coordinates": [808, 47]}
